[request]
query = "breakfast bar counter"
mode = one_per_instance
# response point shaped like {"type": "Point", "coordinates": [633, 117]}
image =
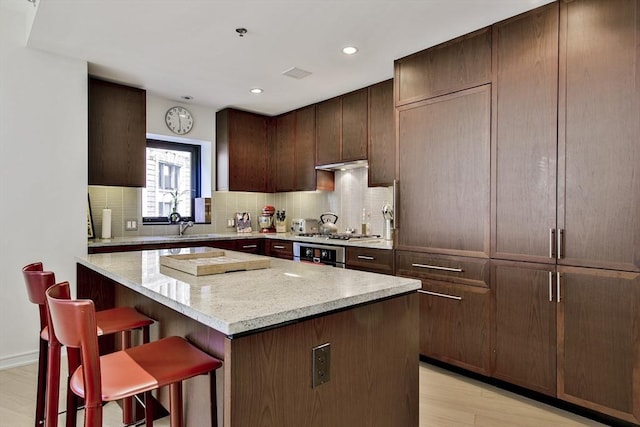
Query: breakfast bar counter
{"type": "Point", "coordinates": [264, 325]}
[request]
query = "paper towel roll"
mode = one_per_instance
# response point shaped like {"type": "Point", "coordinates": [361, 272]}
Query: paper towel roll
{"type": "Point", "coordinates": [106, 223]}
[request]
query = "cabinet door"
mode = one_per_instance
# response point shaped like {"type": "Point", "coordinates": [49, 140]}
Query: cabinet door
{"type": "Point", "coordinates": [525, 123]}
{"type": "Point", "coordinates": [329, 131]}
{"type": "Point", "coordinates": [458, 64]}
{"type": "Point", "coordinates": [242, 149]}
{"type": "Point", "coordinates": [285, 152]}
{"type": "Point", "coordinates": [444, 155]}
{"type": "Point", "coordinates": [305, 149]}
{"type": "Point", "coordinates": [599, 340]}
{"type": "Point", "coordinates": [382, 136]}
{"type": "Point", "coordinates": [117, 135]}
{"type": "Point", "coordinates": [524, 348]}
{"type": "Point", "coordinates": [455, 324]}
{"type": "Point", "coordinates": [599, 171]}
{"type": "Point", "coordinates": [354, 125]}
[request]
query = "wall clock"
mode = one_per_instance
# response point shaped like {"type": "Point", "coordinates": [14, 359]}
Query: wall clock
{"type": "Point", "coordinates": [179, 120]}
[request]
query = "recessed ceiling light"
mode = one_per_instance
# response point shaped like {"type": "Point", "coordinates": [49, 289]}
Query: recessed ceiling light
{"type": "Point", "coordinates": [256, 90]}
{"type": "Point", "coordinates": [350, 50]}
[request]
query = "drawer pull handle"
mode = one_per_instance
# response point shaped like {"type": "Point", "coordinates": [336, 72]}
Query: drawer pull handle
{"type": "Point", "coordinates": [437, 267]}
{"type": "Point", "coordinates": [249, 246]}
{"type": "Point", "coordinates": [437, 294]}
{"type": "Point", "coordinates": [278, 247]}
{"type": "Point", "coordinates": [368, 258]}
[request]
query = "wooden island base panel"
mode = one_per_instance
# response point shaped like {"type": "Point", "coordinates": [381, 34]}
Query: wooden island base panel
{"type": "Point", "coordinates": [266, 379]}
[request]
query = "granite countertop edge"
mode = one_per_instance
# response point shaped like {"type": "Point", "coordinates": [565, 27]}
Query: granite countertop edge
{"type": "Point", "coordinates": [150, 240]}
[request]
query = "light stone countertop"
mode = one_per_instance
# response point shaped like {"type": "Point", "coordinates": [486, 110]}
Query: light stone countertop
{"type": "Point", "coordinates": [137, 240]}
{"type": "Point", "coordinates": [244, 301]}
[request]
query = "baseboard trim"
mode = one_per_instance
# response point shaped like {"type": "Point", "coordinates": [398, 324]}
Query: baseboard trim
{"type": "Point", "coordinates": [23, 359]}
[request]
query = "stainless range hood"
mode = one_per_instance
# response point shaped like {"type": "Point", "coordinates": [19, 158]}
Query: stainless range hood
{"type": "Point", "coordinates": [344, 165]}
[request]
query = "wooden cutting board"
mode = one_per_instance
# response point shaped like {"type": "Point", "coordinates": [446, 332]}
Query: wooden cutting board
{"type": "Point", "coordinates": [214, 262]}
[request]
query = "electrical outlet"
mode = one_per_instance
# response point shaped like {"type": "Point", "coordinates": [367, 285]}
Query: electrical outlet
{"type": "Point", "coordinates": [231, 222]}
{"type": "Point", "coordinates": [321, 364]}
{"type": "Point", "coordinates": [131, 225]}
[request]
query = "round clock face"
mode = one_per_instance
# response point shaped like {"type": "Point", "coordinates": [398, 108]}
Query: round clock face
{"type": "Point", "coordinates": [179, 120]}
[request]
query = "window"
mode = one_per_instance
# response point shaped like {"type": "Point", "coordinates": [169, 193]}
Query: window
{"type": "Point", "coordinates": [173, 181]}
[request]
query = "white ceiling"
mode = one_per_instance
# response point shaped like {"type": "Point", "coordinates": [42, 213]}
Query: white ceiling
{"type": "Point", "coordinates": [173, 48]}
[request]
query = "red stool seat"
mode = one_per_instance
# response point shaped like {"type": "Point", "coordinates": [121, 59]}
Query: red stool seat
{"type": "Point", "coordinates": [117, 320]}
{"type": "Point", "coordinates": [128, 372]}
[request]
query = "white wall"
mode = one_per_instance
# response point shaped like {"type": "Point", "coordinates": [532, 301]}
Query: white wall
{"type": "Point", "coordinates": [43, 149]}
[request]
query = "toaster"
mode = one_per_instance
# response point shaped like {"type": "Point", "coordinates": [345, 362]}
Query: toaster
{"type": "Point", "coordinates": [304, 226]}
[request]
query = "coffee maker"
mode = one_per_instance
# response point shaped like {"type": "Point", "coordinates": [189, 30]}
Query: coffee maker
{"type": "Point", "coordinates": [265, 221]}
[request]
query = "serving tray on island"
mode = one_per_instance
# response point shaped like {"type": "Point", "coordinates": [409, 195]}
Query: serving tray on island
{"type": "Point", "coordinates": [214, 262]}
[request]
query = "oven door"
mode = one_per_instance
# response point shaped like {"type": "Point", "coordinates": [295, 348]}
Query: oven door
{"type": "Point", "coordinates": [319, 254]}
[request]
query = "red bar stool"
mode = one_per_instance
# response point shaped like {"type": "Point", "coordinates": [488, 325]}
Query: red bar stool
{"type": "Point", "coordinates": [118, 320]}
{"type": "Point", "coordinates": [128, 372]}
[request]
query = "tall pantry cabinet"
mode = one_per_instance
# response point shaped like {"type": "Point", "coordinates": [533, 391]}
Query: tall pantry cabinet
{"type": "Point", "coordinates": [561, 250]}
{"type": "Point", "coordinates": [566, 181]}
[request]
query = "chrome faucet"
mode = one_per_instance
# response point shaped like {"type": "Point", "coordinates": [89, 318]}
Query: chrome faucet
{"type": "Point", "coordinates": [184, 225]}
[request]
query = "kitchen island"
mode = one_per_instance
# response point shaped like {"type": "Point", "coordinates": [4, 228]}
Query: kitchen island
{"type": "Point", "coordinates": [264, 324]}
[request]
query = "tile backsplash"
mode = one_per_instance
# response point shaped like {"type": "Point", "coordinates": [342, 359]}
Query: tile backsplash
{"type": "Point", "coordinates": [347, 201]}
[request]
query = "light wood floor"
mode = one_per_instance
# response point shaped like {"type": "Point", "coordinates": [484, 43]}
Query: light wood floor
{"type": "Point", "coordinates": [446, 400]}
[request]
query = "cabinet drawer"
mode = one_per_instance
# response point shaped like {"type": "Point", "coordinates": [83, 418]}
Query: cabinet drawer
{"type": "Point", "coordinates": [280, 249]}
{"type": "Point", "coordinates": [253, 246]}
{"type": "Point", "coordinates": [367, 259]}
{"type": "Point", "coordinates": [455, 324]}
{"type": "Point", "coordinates": [467, 271]}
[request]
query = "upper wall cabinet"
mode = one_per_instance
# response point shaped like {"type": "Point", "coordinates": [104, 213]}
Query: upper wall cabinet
{"type": "Point", "coordinates": [242, 151]}
{"type": "Point", "coordinates": [295, 148]}
{"type": "Point", "coordinates": [117, 134]}
{"type": "Point", "coordinates": [382, 136]}
{"type": "Point", "coordinates": [459, 64]}
{"type": "Point", "coordinates": [341, 128]}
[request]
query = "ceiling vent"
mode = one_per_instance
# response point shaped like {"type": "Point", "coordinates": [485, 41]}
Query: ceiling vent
{"type": "Point", "coordinates": [296, 73]}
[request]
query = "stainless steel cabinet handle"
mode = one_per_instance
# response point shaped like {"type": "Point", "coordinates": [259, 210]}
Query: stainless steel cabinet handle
{"type": "Point", "coordinates": [557, 287]}
{"type": "Point", "coordinates": [368, 258]}
{"type": "Point", "coordinates": [277, 247]}
{"type": "Point", "coordinates": [396, 206]}
{"type": "Point", "coordinates": [249, 246]}
{"type": "Point", "coordinates": [552, 241]}
{"type": "Point", "coordinates": [437, 267]}
{"type": "Point", "coordinates": [551, 286]}
{"type": "Point", "coordinates": [437, 294]}
{"type": "Point", "coordinates": [560, 242]}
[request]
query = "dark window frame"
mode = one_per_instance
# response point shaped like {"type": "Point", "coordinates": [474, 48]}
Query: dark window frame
{"type": "Point", "coordinates": [196, 175]}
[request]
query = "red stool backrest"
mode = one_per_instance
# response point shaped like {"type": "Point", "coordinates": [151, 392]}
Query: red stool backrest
{"type": "Point", "coordinates": [73, 323]}
{"type": "Point", "coordinates": [37, 282]}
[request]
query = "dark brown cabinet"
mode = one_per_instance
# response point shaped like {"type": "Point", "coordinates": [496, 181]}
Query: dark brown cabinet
{"type": "Point", "coordinates": [294, 157]}
{"type": "Point", "coordinates": [382, 135]}
{"type": "Point", "coordinates": [525, 144]}
{"type": "Point", "coordinates": [455, 324]}
{"type": "Point", "coordinates": [455, 307]}
{"type": "Point", "coordinates": [459, 64]}
{"type": "Point", "coordinates": [341, 128]}
{"type": "Point", "coordinates": [279, 248]}
{"type": "Point", "coordinates": [524, 345]}
{"type": "Point", "coordinates": [242, 151]}
{"type": "Point", "coordinates": [369, 259]}
{"type": "Point", "coordinates": [444, 156]}
{"type": "Point", "coordinates": [117, 134]}
{"type": "Point", "coordinates": [599, 130]}
{"type": "Point", "coordinates": [599, 340]}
